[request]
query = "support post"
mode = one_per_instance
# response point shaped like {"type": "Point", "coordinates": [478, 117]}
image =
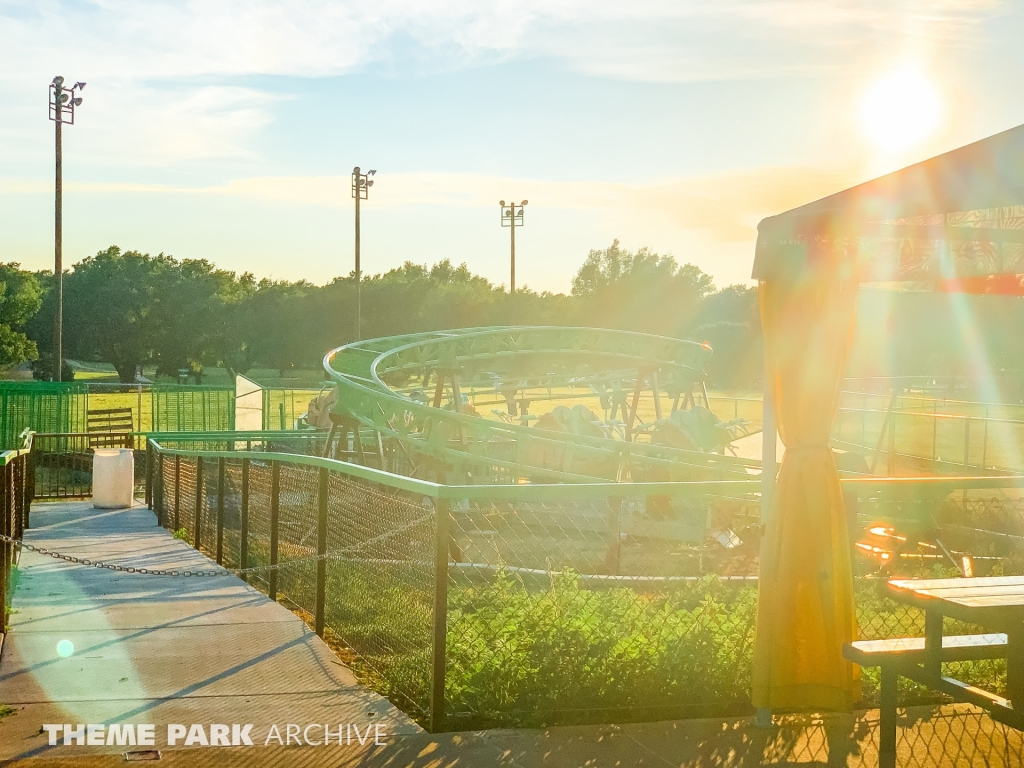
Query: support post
{"type": "Point", "coordinates": [359, 273]}
{"type": "Point", "coordinates": [58, 251]}
{"type": "Point", "coordinates": [149, 475]}
{"type": "Point", "coordinates": [439, 650]}
{"type": "Point", "coordinates": [30, 486]}
{"type": "Point", "coordinates": [769, 471]}
{"type": "Point", "coordinates": [18, 469]}
{"type": "Point", "coordinates": [933, 643]}
{"type": "Point", "coordinates": [439, 389]}
{"type": "Point", "coordinates": [892, 445]}
{"type": "Point", "coordinates": [657, 395]}
{"type": "Point", "coordinates": [177, 493]}
{"type": "Point", "coordinates": [243, 533]}
{"type": "Point", "coordinates": [967, 441]}
{"type": "Point", "coordinates": [769, 457]}
{"type": "Point", "coordinates": [160, 500]}
{"type": "Point", "coordinates": [887, 718]}
{"type": "Point", "coordinates": [5, 549]}
{"type": "Point", "coordinates": [275, 508]}
{"type": "Point", "coordinates": [614, 556]}
{"type": "Point", "coordinates": [321, 550]}
{"type": "Point", "coordinates": [984, 441]}
{"type": "Point", "coordinates": [1015, 666]}
{"type": "Point", "coordinates": [220, 511]}
{"type": "Point", "coordinates": [633, 405]}
{"type": "Point", "coordinates": [199, 503]}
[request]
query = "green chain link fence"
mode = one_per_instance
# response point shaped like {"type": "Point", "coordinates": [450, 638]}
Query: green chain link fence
{"type": "Point", "coordinates": [488, 606]}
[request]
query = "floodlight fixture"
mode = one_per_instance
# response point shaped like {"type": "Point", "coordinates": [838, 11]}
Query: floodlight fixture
{"type": "Point", "coordinates": [512, 217]}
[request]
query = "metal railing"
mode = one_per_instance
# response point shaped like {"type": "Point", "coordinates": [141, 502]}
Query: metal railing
{"type": "Point", "coordinates": [15, 503]}
{"type": "Point", "coordinates": [480, 606]}
{"type": "Point", "coordinates": [63, 461]}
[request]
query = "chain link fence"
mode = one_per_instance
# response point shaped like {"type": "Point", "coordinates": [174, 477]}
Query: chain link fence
{"type": "Point", "coordinates": [488, 606]}
{"type": "Point", "coordinates": [15, 506]}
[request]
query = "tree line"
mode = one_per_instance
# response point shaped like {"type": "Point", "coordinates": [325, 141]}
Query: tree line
{"type": "Point", "coordinates": [131, 309]}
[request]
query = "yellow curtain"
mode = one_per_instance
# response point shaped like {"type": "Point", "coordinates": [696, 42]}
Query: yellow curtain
{"type": "Point", "coordinates": [805, 610]}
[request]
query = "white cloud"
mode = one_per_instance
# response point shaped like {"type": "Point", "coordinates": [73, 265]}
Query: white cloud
{"type": "Point", "coordinates": [653, 40]}
{"type": "Point", "coordinates": [170, 69]}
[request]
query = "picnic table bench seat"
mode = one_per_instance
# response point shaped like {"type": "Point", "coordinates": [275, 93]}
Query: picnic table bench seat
{"type": "Point", "coordinates": [907, 657]}
{"type": "Point", "coordinates": [877, 653]}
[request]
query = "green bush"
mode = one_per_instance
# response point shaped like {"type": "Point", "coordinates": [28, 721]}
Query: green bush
{"type": "Point", "coordinates": [567, 654]}
{"type": "Point", "coordinates": [529, 656]}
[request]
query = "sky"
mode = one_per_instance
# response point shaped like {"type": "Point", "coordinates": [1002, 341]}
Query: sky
{"type": "Point", "coordinates": [227, 130]}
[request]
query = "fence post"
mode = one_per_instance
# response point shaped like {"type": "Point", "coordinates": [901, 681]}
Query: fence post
{"type": "Point", "coordinates": [614, 556]}
{"type": "Point", "coordinates": [199, 502]}
{"type": "Point", "coordinates": [149, 475]}
{"type": "Point", "coordinates": [892, 445]}
{"type": "Point", "coordinates": [177, 493]}
{"type": "Point", "coordinates": [243, 532]}
{"type": "Point", "coordinates": [275, 507]}
{"type": "Point", "coordinates": [5, 550]}
{"type": "Point", "coordinates": [967, 440]}
{"type": "Point", "coordinates": [439, 666]}
{"type": "Point", "coordinates": [321, 550]}
{"type": "Point", "coordinates": [984, 442]}
{"type": "Point", "coordinates": [220, 511]}
{"type": "Point", "coordinates": [160, 499]}
{"type": "Point", "coordinates": [18, 489]}
{"type": "Point", "coordinates": [30, 486]}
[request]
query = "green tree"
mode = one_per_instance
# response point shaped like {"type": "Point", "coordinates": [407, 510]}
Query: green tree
{"type": "Point", "coordinates": [728, 320]}
{"type": "Point", "coordinates": [108, 308]}
{"type": "Point", "coordinates": [188, 313]}
{"type": "Point", "coordinates": [640, 291]}
{"type": "Point", "coordinates": [20, 299]}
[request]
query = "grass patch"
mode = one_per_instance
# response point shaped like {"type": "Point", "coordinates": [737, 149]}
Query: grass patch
{"type": "Point", "coordinates": [520, 656]}
{"type": "Point", "coordinates": [182, 534]}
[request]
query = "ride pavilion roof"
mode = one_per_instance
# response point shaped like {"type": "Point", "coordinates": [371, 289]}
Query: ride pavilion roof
{"type": "Point", "coordinates": [953, 222]}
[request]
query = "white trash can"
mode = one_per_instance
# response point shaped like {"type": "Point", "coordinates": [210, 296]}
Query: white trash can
{"type": "Point", "coordinates": [113, 478]}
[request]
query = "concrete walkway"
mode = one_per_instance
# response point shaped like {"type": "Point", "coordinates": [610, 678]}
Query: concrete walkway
{"type": "Point", "coordinates": [158, 649]}
{"type": "Point", "coordinates": [161, 650]}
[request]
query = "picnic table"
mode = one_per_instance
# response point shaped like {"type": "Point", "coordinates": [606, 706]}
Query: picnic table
{"type": "Point", "coordinates": [994, 603]}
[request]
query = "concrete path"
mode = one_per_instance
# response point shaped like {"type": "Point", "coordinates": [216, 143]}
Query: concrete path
{"type": "Point", "coordinates": [162, 650]}
{"type": "Point", "coordinates": [157, 649]}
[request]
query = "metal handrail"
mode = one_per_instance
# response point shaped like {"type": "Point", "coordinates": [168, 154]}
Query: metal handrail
{"type": "Point", "coordinates": [561, 491]}
{"type": "Point", "coordinates": [6, 457]}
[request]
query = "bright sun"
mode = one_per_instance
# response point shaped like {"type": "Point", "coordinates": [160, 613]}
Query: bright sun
{"type": "Point", "coordinates": [899, 110]}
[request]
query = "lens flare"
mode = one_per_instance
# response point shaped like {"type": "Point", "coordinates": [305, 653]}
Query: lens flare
{"type": "Point", "coordinates": [65, 648]}
{"type": "Point", "coordinates": [900, 110]}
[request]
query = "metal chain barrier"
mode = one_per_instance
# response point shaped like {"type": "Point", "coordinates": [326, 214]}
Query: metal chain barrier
{"type": "Point", "coordinates": [219, 571]}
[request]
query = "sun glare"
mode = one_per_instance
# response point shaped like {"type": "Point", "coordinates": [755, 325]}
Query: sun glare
{"type": "Point", "coordinates": [900, 109]}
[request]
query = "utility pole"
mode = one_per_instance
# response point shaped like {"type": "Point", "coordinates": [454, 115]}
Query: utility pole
{"type": "Point", "coordinates": [361, 183]}
{"type": "Point", "coordinates": [62, 110]}
{"type": "Point", "coordinates": [512, 217]}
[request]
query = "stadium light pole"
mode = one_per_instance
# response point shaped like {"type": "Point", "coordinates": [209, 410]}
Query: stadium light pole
{"type": "Point", "coordinates": [62, 110]}
{"type": "Point", "coordinates": [512, 217]}
{"type": "Point", "coordinates": [361, 183]}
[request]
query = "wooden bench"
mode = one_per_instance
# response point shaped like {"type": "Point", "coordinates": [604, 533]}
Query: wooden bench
{"type": "Point", "coordinates": [110, 427]}
{"type": "Point", "coordinates": [908, 657]}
